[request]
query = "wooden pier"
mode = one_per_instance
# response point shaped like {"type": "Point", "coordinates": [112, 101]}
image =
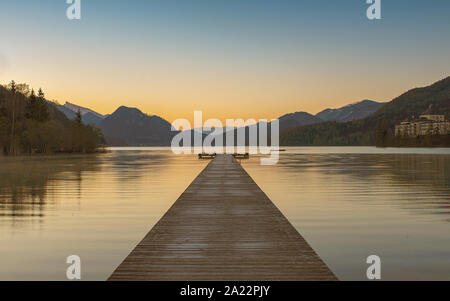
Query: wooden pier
{"type": "Point", "coordinates": [223, 227]}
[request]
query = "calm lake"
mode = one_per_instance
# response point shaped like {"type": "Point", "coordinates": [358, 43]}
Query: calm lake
{"type": "Point", "coordinates": [347, 202]}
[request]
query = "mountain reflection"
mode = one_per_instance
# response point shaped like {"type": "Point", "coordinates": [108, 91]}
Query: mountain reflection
{"type": "Point", "coordinates": [346, 205]}
{"type": "Point", "coordinates": [419, 183]}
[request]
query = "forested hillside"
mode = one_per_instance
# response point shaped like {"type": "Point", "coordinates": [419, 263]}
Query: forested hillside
{"type": "Point", "coordinates": [30, 124]}
{"type": "Point", "coordinates": [378, 128]}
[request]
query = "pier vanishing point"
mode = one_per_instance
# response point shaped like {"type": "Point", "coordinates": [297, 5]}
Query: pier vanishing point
{"type": "Point", "coordinates": [223, 227]}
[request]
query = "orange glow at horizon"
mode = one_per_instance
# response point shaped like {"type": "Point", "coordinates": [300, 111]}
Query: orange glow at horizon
{"type": "Point", "coordinates": [256, 61]}
{"type": "Point", "coordinates": [253, 99]}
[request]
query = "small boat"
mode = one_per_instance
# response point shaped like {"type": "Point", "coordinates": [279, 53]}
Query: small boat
{"type": "Point", "coordinates": [241, 156]}
{"type": "Point", "coordinates": [206, 156]}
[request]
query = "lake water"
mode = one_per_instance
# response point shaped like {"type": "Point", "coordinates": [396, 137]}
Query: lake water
{"type": "Point", "coordinates": [348, 203]}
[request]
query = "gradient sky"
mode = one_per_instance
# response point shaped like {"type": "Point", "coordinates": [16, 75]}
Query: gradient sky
{"type": "Point", "coordinates": [230, 58]}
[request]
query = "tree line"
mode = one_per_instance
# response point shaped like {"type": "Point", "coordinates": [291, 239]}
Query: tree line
{"type": "Point", "coordinates": [30, 124]}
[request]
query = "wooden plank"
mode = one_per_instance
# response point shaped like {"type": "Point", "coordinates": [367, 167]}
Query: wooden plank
{"type": "Point", "coordinates": [223, 227]}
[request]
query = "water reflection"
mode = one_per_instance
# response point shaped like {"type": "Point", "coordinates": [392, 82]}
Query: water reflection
{"type": "Point", "coordinates": [95, 206]}
{"type": "Point", "coordinates": [421, 182]}
{"type": "Point", "coordinates": [26, 182]}
{"type": "Point", "coordinates": [131, 165]}
{"type": "Point", "coordinates": [350, 203]}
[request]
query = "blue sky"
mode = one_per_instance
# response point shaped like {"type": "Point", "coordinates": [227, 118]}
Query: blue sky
{"type": "Point", "coordinates": [214, 55]}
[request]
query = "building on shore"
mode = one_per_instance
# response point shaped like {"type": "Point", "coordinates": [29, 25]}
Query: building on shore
{"type": "Point", "coordinates": [425, 125]}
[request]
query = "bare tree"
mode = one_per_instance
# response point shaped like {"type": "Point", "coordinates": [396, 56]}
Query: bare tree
{"type": "Point", "coordinates": [12, 88]}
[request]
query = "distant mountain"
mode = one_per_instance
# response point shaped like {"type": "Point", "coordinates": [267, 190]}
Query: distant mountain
{"type": "Point", "coordinates": [351, 112]}
{"type": "Point", "coordinates": [68, 112]}
{"type": "Point", "coordinates": [88, 116]}
{"type": "Point", "coordinates": [297, 119]}
{"type": "Point", "coordinates": [83, 110]}
{"type": "Point", "coordinates": [377, 126]}
{"type": "Point", "coordinates": [131, 127]}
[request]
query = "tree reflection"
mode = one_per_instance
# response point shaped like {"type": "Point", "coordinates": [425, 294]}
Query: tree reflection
{"type": "Point", "coordinates": [27, 181]}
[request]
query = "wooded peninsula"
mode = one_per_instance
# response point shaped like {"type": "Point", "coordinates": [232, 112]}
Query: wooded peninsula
{"type": "Point", "coordinates": [30, 124]}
